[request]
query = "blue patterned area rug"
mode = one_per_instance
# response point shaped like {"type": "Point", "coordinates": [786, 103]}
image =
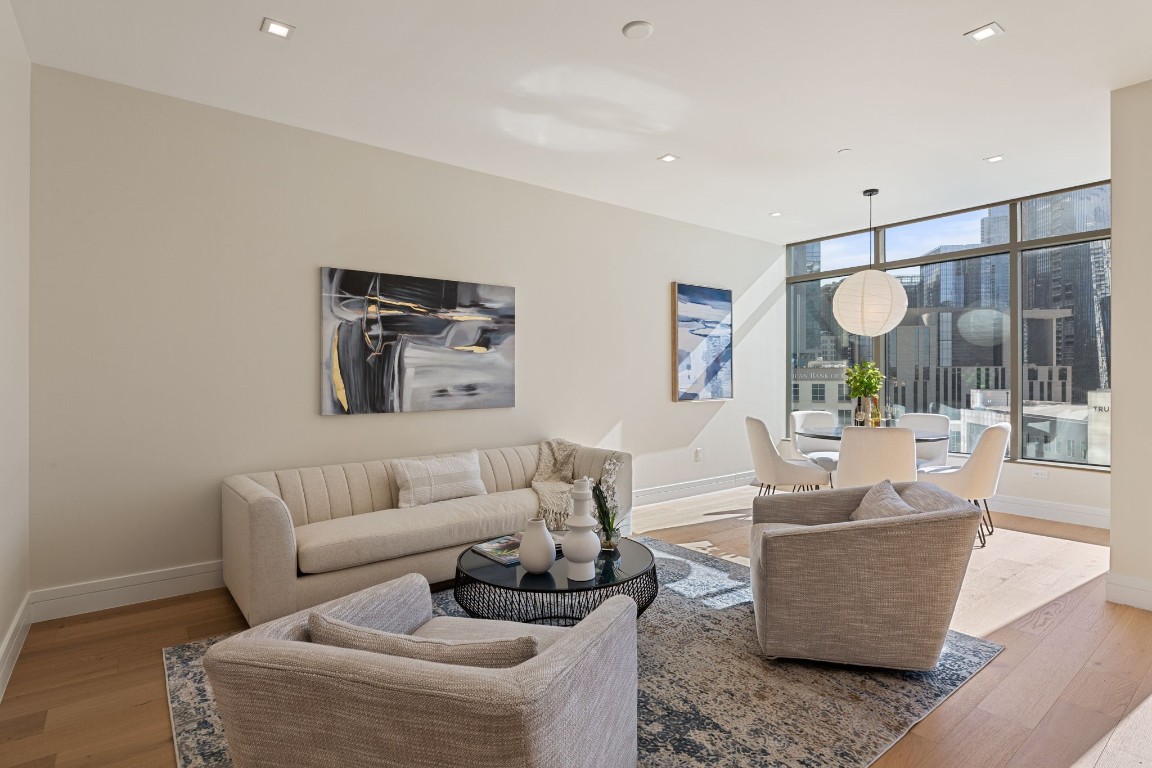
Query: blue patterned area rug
{"type": "Point", "coordinates": [706, 695]}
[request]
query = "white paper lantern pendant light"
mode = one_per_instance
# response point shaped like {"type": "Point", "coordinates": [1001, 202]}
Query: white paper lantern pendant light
{"type": "Point", "coordinates": [871, 302]}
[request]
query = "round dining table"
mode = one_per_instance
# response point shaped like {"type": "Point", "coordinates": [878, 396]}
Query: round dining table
{"type": "Point", "coordinates": [835, 433]}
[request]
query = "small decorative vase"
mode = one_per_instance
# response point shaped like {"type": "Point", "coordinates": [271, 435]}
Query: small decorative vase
{"type": "Point", "coordinates": [874, 410]}
{"type": "Point", "coordinates": [861, 416]}
{"type": "Point", "coordinates": [609, 542]}
{"type": "Point", "coordinates": [537, 550]}
{"type": "Point", "coordinates": [581, 544]}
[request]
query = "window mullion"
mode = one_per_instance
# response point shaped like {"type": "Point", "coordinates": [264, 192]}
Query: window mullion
{"type": "Point", "coordinates": [1016, 334]}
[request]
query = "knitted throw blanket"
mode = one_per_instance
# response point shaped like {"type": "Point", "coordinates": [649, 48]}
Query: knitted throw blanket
{"type": "Point", "coordinates": [553, 481]}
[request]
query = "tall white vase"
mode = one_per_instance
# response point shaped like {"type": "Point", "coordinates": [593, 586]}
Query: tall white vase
{"type": "Point", "coordinates": [537, 550]}
{"type": "Point", "coordinates": [581, 544]}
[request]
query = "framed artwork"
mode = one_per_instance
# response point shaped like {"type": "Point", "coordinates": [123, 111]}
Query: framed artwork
{"type": "Point", "coordinates": [392, 344]}
{"type": "Point", "coordinates": [702, 332]}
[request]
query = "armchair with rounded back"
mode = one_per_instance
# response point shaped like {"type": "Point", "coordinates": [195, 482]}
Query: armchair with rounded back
{"type": "Point", "coordinates": [934, 454]}
{"type": "Point", "coordinates": [822, 452]}
{"type": "Point", "coordinates": [869, 455]}
{"type": "Point", "coordinates": [979, 477]}
{"type": "Point", "coordinates": [773, 470]}
{"type": "Point", "coordinates": [874, 592]}
{"type": "Point", "coordinates": [284, 700]}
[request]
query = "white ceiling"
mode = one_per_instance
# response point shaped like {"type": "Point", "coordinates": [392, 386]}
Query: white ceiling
{"type": "Point", "coordinates": [756, 96]}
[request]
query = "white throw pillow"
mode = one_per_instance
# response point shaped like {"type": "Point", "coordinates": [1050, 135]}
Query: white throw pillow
{"type": "Point", "coordinates": [451, 476]}
{"type": "Point", "coordinates": [494, 654]}
{"type": "Point", "coordinates": [882, 501]}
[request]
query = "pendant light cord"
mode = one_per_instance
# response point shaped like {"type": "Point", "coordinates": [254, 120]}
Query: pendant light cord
{"type": "Point", "coordinates": [871, 193]}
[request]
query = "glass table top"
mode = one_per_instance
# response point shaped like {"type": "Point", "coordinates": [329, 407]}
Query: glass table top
{"type": "Point", "coordinates": [627, 562]}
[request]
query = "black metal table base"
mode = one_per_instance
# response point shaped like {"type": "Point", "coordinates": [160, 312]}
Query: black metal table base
{"type": "Point", "coordinates": [558, 608]}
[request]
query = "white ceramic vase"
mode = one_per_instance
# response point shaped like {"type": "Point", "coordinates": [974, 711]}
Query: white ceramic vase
{"type": "Point", "coordinates": [537, 550]}
{"type": "Point", "coordinates": [581, 544]}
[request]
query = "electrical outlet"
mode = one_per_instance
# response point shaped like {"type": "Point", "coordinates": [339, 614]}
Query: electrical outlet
{"type": "Point", "coordinates": [1040, 474]}
{"type": "Point", "coordinates": [698, 455]}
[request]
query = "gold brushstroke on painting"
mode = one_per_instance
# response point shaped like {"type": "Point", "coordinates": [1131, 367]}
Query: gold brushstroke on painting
{"type": "Point", "coordinates": [337, 379]}
{"type": "Point", "coordinates": [394, 303]}
{"type": "Point", "coordinates": [475, 349]}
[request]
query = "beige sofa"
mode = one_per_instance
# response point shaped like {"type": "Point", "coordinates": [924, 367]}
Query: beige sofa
{"type": "Point", "coordinates": [295, 538]}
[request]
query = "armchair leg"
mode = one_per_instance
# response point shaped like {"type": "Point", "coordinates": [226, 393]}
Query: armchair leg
{"type": "Point", "coordinates": [988, 518]}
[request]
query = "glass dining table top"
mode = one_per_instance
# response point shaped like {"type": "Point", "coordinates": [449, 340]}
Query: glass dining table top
{"type": "Point", "coordinates": [835, 433]}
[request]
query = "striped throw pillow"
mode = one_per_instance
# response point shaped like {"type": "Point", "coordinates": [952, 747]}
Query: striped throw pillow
{"type": "Point", "coordinates": [438, 478]}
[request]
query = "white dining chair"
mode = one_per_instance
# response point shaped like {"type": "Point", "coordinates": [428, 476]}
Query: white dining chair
{"type": "Point", "coordinates": [773, 470]}
{"type": "Point", "coordinates": [869, 455]}
{"type": "Point", "coordinates": [928, 454]}
{"type": "Point", "coordinates": [979, 477]}
{"type": "Point", "coordinates": [823, 452]}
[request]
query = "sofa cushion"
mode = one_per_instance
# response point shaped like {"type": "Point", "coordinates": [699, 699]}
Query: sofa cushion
{"type": "Point", "coordinates": [345, 542]}
{"type": "Point", "coordinates": [495, 654]}
{"type": "Point", "coordinates": [881, 501]}
{"type": "Point", "coordinates": [438, 478]}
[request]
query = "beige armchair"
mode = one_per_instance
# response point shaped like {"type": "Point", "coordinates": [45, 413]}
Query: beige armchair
{"type": "Point", "coordinates": [286, 701]}
{"type": "Point", "coordinates": [875, 592]}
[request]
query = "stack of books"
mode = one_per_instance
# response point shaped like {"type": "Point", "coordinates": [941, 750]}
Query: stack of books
{"type": "Point", "coordinates": [506, 549]}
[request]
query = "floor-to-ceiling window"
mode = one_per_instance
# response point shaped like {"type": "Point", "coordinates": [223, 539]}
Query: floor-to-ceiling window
{"type": "Point", "coordinates": [1008, 320]}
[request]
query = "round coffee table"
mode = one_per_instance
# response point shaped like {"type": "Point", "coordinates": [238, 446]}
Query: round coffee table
{"type": "Point", "coordinates": [488, 590]}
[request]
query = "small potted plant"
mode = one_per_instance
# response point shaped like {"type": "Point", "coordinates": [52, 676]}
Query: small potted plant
{"type": "Point", "coordinates": [863, 380]}
{"type": "Point", "coordinates": [607, 512]}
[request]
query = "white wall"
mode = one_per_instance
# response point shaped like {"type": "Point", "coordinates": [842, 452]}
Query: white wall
{"type": "Point", "coordinates": [175, 320]}
{"type": "Point", "coordinates": [1130, 579]}
{"type": "Point", "coordinates": [14, 116]}
{"type": "Point", "coordinates": [1078, 496]}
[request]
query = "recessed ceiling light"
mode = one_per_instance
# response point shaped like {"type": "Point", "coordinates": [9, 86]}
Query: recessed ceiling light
{"type": "Point", "coordinates": [278, 28]}
{"type": "Point", "coordinates": [637, 30]}
{"type": "Point", "coordinates": [994, 159]}
{"type": "Point", "coordinates": [984, 32]}
{"type": "Point", "coordinates": [778, 213]}
{"type": "Point", "coordinates": [669, 158]}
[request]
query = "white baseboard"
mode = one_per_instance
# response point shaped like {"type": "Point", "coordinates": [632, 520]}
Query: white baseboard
{"type": "Point", "coordinates": [1128, 590]}
{"type": "Point", "coordinates": [13, 642]}
{"type": "Point", "coordinates": [691, 488]}
{"type": "Point", "coordinates": [1096, 517]}
{"type": "Point", "coordinates": [73, 599]}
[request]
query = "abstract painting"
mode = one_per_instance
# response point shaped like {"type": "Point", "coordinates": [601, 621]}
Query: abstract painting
{"type": "Point", "coordinates": [702, 319]}
{"type": "Point", "coordinates": [393, 344]}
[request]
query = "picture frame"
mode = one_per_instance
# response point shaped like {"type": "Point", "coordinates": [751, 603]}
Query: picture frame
{"type": "Point", "coordinates": [702, 343]}
{"type": "Point", "coordinates": [398, 343]}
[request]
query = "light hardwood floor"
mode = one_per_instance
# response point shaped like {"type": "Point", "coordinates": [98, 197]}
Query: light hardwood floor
{"type": "Point", "coordinates": [1071, 689]}
{"type": "Point", "coordinates": [1072, 686]}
